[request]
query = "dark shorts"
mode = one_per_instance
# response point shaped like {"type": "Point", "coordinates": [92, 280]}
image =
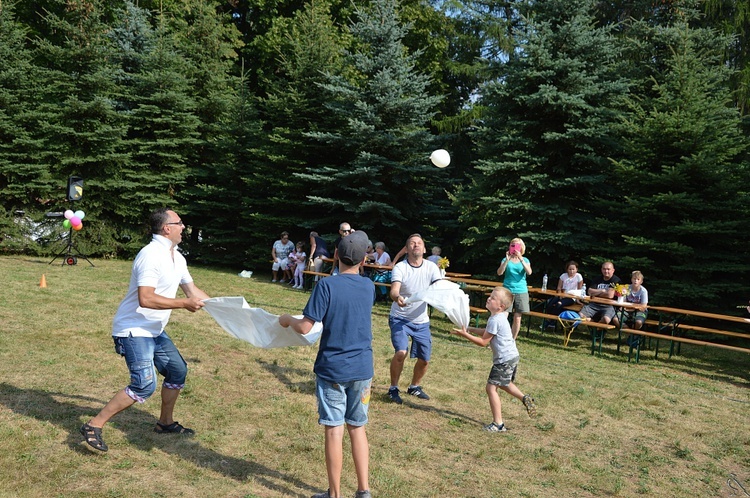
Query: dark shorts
{"type": "Point", "coordinates": [634, 316]}
{"type": "Point", "coordinates": [597, 311]}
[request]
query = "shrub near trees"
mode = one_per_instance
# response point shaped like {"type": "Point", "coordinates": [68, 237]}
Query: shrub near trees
{"type": "Point", "coordinates": [593, 131]}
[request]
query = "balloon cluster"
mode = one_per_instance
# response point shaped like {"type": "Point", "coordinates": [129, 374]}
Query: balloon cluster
{"type": "Point", "coordinates": [74, 220]}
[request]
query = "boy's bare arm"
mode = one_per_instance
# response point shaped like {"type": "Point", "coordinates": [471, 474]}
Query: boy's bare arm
{"type": "Point", "coordinates": [483, 341]}
{"type": "Point", "coordinates": [299, 325]}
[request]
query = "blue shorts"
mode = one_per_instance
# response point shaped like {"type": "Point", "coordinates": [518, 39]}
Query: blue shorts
{"type": "Point", "coordinates": [421, 339]}
{"type": "Point", "coordinates": [346, 402]}
{"type": "Point", "coordinates": [146, 355]}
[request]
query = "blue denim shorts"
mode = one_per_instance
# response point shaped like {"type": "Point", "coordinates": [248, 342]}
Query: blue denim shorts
{"type": "Point", "coordinates": [146, 355]}
{"type": "Point", "coordinates": [421, 339]}
{"type": "Point", "coordinates": [345, 402]}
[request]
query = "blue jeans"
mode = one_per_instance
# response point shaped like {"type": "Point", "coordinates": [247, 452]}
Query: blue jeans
{"type": "Point", "coordinates": [146, 355]}
{"type": "Point", "coordinates": [343, 402]}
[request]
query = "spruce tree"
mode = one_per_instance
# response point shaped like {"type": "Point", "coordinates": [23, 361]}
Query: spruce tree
{"type": "Point", "coordinates": [25, 180]}
{"type": "Point", "coordinates": [376, 173]}
{"type": "Point", "coordinates": [208, 41]}
{"type": "Point", "coordinates": [80, 126]}
{"type": "Point", "coordinates": [545, 139]}
{"type": "Point", "coordinates": [309, 45]}
{"type": "Point", "coordinates": [684, 175]}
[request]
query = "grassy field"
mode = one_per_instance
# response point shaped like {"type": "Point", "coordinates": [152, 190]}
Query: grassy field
{"type": "Point", "coordinates": [668, 427]}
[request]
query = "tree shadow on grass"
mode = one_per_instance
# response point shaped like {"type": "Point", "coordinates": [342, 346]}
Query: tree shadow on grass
{"type": "Point", "coordinates": [67, 410]}
{"type": "Point", "coordinates": [712, 363]}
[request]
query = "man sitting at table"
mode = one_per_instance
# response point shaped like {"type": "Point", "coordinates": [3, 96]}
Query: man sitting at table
{"type": "Point", "coordinates": [604, 288]}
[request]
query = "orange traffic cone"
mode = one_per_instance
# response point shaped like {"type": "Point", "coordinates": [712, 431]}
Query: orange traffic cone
{"type": "Point", "coordinates": [43, 282]}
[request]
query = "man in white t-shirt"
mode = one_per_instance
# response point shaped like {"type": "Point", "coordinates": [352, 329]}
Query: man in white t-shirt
{"type": "Point", "coordinates": [138, 328]}
{"type": "Point", "coordinates": [410, 320]}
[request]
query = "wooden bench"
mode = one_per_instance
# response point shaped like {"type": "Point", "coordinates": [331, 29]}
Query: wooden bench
{"type": "Point", "coordinates": [676, 329]}
{"type": "Point", "coordinates": [310, 278]}
{"type": "Point", "coordinates": [475, 312]}
{"type": "Point", "coordinates": [672, 339]}
{"type": "Point", "coordinates": [598, 329]}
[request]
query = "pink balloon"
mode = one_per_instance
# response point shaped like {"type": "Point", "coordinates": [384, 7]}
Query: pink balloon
{"type": "Point", "coordinates": [75, 221]}
{"type": "Point", "coordinates": [69, 213]}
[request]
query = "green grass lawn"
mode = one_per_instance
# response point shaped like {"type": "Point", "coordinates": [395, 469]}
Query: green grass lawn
{"type": "Point", "coordinates": [667, 427]}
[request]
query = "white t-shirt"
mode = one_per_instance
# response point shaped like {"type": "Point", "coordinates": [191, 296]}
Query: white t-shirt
{"type": "Point", "coordinates": [503, 346]}
{"type": "Point", "coordinates": [570, 283]}
{"type": "Point", "coordinates": [153, 267]}
{"type": "Point", "coordinates": [283, 250]}
{"type": "Point", "coordinates": [413, 279]}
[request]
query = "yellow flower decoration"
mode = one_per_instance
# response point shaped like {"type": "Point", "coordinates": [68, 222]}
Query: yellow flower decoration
{"type": "Point", "coordinates": [443, 263]}
{"type": "Point", "coordinates": [621, 290]}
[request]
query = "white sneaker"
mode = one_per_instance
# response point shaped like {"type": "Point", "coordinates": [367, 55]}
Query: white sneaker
{"type": "Point", "coordinates": [274, 280]}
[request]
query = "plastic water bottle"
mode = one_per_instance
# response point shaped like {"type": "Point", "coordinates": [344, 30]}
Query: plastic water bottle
{"type": "Point", "coordinates": [544, 282]}
{"type": "Point", "coordinates": [583, 291]}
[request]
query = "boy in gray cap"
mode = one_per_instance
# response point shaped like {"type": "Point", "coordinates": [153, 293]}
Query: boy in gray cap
{"type": "Point", "coordinates": [344, 365]}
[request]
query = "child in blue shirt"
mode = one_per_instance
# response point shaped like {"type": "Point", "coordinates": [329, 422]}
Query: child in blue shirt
{"type": "Point", "coordinates": [344, 365]}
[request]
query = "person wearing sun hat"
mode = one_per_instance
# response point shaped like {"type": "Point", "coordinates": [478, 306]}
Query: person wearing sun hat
{"type": "Point", "coordinates": [344, 365]}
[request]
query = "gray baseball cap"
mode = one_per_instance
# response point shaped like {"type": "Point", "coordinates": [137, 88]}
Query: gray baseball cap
{"type": "Point", "coordinates": [352, 248]}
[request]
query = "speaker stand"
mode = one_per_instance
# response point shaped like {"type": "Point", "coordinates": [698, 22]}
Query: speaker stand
{"type": "Point", "coordinates": [69, 258]}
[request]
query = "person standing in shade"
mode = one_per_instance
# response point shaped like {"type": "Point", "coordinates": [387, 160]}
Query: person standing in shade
{"type": "Point", "coordinates": [318, 251]}
{"type": "Point", "coordinates": [410, 320]}
{"type": "Point", "coordinates": [138, 328]}
{"type": "Point", "coordinates": [344, 366]}
{"type": "Point", "coordinates": [516, 267]}
{"type": "Point", "coordinates": [344, 230]}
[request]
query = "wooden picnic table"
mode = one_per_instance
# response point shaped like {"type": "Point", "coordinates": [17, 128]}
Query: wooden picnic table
{"type": "Point", "coordinates": [699, 314]}
{"type": "Point", "coordinates": [670, 326]}
{"type": "Point", "coordinates": [597, 332]}
{"type": "Point", "coordinates": [474, 281]}
{"type": "Point", "coordinates": [373, 266]}
{"type": "Point", "coordinates": [459, 275]}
